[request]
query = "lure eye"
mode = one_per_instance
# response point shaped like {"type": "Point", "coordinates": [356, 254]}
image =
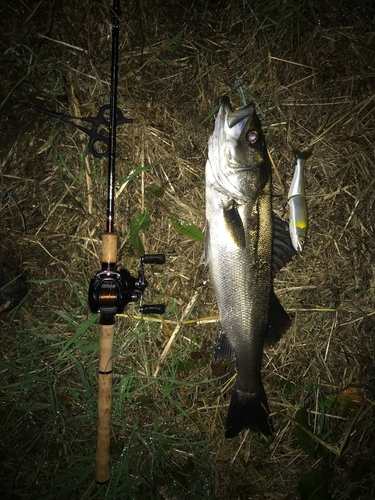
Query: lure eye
{"type": "Point", "coordinates": [253, 136]}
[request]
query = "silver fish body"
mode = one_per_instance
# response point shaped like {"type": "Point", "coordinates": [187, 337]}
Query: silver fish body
{"type": "Point", "coordinates": [238, 252]}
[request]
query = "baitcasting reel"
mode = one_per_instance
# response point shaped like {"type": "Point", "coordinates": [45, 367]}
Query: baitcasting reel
{"type": "Point", "coordinates": [110, 291]}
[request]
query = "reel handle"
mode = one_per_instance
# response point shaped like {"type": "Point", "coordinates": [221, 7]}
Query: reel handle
{"type": "Point", "coordinates": [153, 258]}
{"type": "Point", "coordinates": [152, 309]}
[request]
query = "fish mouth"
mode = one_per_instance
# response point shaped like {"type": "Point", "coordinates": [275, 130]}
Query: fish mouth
{"type": "Point", "coordinates": [242, 169]}
{"type": "Point", "coordinates": [233, 118]}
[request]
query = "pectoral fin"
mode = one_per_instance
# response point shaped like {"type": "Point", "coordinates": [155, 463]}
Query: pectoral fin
{"type": "Point", "coordinates": [234, 225]}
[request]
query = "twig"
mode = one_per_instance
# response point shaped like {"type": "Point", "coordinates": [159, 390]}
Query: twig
{"type": "Point", "coordinates": [5, 193]}
{"type": "Point", "coordinates": [291, 62]}
{"type": "Point", "coordinates": [175, 332]}
{"type": "Point", "coordinates": [63, 43]}
{"type": "Point", "coordinates": [245, 434]}
{"type": "Point", "coordinates": [276, 171]}
{"type": "Point", "coordinates": [196, 321]}
{"type": "Point", "coordinates": [334, 449]}
{"type": "Point", "coordinates": [363, 103]}
{"type": "Point", "coordinates": [84, 74]}
{"type": "Point", "coordinates": [32, 13]}
{"type": "Point", "coordinates": [54, 208]}
{"type": "Point", "coordinates": [86, 158]}
{"type": "Point", "coordinates": [349, 430]}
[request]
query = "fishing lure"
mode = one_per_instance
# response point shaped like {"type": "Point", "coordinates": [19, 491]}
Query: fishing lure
{"type": "Point", "coordinates": [297, 205]}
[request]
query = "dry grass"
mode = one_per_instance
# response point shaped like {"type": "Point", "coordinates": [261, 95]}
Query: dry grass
{"type": "Point", "coordinates": [314, 85]}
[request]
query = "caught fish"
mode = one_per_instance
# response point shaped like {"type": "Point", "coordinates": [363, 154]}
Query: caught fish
{"type": "Point", "coordinates": [297, 206]}
{"type": "Point", "coordinates": [245, 245]}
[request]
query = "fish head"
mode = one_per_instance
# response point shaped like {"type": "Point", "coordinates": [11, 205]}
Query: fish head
{"type": "Point", "coordinates": [238, 162]}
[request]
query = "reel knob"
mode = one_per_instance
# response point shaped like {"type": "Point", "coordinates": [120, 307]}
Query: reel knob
{"type": "Point", "coordinates": [153, 258]}
{"type": "Point", "coordinates": [152, 309]}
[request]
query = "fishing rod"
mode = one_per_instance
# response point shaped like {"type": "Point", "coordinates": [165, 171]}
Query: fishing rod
{"type": "Point", "coordinates": [110, 290]}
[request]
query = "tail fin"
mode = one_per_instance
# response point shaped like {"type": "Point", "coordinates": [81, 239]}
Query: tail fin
{"type": "Point", "coordinates": [248, 411]}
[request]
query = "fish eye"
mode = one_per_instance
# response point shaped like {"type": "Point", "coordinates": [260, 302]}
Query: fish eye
{"type": "Point", "coordinates": [253, 136]}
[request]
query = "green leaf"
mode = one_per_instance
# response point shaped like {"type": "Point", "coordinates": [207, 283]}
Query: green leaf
{"type": "Point", "coordinates": [26, 138]}
{"type": "Point", "coordinates": [209, 116]}
{"type": "Point", "coordinates": [305, 441]}
{"type": "Point", "coordinates": [176, 40]}
{"type": "Point", "coordinates": [156, 191]}
{"type": "Point", "coordinates": [315, 485]}
{"type": "Point", "coordinates": [186, 365]}
{"type": "Point", "coordinates": [136, 172]}
{"type": "Point", "coordinates": [141, 220]}
{"type": "Point", "coordinates": [186, 228]}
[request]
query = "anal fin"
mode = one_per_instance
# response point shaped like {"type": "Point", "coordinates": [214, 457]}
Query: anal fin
{"type": "Point", "coordinates": [278, 321]}
{"type": "Point", "coordinates": [223, 351]}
